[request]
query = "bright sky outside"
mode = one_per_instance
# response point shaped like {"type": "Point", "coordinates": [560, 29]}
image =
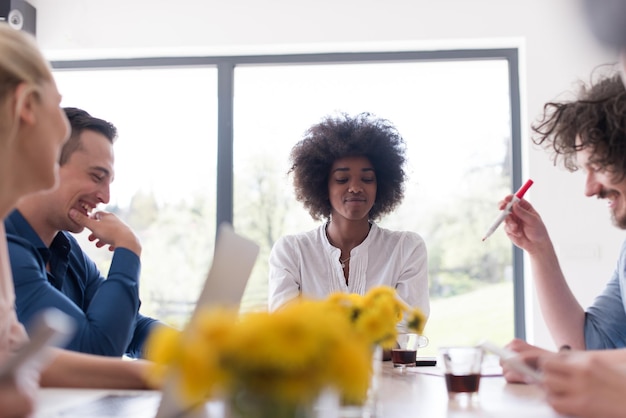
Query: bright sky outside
{"type": "Point", "coordinates": [167, 117]}
{"type": "Point", "coordinates": [167, 126]}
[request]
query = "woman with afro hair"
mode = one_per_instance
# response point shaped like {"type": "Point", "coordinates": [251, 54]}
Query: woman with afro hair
{"type": "Point", "coordinates": [348, 171]}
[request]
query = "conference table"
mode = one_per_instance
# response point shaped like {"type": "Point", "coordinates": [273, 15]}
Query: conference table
{"type": "Point", "coordinates": [416, 392]}
{"type": "Point", "coordinates": [421, 392]}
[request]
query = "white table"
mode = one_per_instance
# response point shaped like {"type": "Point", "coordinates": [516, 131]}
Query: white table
{"type": "Point", "coordinates": [417, 392]}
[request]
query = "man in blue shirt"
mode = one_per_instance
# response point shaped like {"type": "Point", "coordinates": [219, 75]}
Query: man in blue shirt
{"type": "Point", "coordinates": [49, 267]}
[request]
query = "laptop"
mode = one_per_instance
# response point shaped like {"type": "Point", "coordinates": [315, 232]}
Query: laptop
{"type": "Point", "coordinates": [233, 260]}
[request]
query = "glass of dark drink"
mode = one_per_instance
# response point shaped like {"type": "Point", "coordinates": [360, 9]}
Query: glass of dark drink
{"type": "Point", "coordinates": [404, 354]}
{"type": "Point", "coordinates": [462, 367]}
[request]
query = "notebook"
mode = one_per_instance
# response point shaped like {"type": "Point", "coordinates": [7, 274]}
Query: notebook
{"type": "Point", "coordinates": [225, 283]}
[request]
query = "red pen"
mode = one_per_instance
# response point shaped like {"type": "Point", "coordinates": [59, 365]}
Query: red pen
{"type": "Point", "coordinates": [505, 212]}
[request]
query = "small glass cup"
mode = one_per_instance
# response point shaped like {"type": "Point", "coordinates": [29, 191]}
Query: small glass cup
{"type": "Point", "coordinates": [405, 353]}
{"type": "Point", "coordinates": [462, 367]}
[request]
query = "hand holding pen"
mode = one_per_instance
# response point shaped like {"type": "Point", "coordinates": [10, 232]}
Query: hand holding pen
{"type": "Point", "coordinates": [507, 209]}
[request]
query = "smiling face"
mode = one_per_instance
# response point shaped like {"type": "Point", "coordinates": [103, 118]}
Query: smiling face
{"type": "Point", "coordinates": [604, 184]}
{"type": "Point", "coordinates": [84, 181]}
{"type": "Point", "coordinates": [352, 188]}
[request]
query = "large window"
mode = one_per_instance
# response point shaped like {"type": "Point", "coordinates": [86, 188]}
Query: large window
{"type": "Point", "coordinates": [165, 165]}
{"type": "Point", "coordinates": [235, 119]}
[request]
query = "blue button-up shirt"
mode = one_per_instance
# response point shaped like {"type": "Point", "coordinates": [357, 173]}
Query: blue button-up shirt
{"type": "Point", "coordinates": [106, 311]}
{"type": "Point", "coordinates": [605, 320]}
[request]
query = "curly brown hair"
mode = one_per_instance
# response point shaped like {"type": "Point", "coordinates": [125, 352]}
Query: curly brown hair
{"type": "Point", "coordinates": [335, 137]}
{"type": "Point", "coordinates": [595, 120]}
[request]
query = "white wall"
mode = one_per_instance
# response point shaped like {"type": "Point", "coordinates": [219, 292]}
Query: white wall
{"type": "Point", "coordinates": [556, 50]}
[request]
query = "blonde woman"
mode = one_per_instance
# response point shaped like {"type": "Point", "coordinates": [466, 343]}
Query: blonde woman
{"type": "Point", "coordinates": [33, 127]}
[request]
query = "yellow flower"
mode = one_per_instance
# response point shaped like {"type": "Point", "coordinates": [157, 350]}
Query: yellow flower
{"type": "Point", "coordinates": [162, 349]}
{"type": "Point", "coordinates": [199, 368]}
{"type": "Point", "coordinates": [416, 321]}
{"type": "Point", "coordinates": [376, 314]}
{"type": "Point", "coordinates": [350, 367]}
{"type": "Point", "coordinates": [289, 355]}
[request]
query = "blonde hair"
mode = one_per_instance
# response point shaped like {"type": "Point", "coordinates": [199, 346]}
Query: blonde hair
{"type": "Point", "coordinates": [20, 62]}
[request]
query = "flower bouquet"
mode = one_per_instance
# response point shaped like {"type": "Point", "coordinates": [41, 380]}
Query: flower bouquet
{"type": "Point", "coordinates": [275, 364]}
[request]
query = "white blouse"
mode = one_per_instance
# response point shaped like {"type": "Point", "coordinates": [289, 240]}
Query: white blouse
{"type": "Point", "coordinates": [307, 264]}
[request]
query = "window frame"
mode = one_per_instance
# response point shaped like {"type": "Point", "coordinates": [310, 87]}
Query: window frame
{"type": "Point", "coordinates": [225, 119]}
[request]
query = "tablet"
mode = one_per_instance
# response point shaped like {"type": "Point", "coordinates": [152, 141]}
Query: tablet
{"type": "Point", "coordinates": [50, 328]}
{"type": "Point", "coordinates": [512, 360]}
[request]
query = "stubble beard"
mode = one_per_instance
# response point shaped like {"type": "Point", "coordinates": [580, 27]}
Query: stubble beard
{"type": "Point", "coordinates": [618, 220]}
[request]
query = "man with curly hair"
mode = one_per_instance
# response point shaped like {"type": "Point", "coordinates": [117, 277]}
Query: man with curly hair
{"type": "Point", "coordinates": [587, 134]}
{"type": "Point", "coordinates": [588, 378]}
{"type": "Point", "coordinates": [348, 171]}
